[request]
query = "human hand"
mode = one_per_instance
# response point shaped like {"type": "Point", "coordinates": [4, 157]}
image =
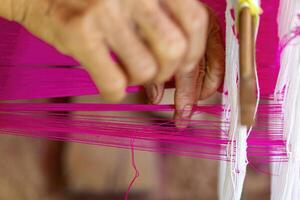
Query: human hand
{"type": "Point", "coordinates": [200, 83]}
{"type": "Point", "coordinates": [152, 39]}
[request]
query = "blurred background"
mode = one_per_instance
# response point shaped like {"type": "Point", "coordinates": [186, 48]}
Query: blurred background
{"type": "Point", "coordinates": [35, 169]}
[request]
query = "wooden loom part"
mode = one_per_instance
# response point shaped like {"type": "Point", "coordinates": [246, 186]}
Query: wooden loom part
{"type": "Point", "coordinates": [247, 87]}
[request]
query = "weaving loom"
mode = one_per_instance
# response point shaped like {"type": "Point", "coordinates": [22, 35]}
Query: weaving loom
{"type": "Point", "coordinates": [29, 69]}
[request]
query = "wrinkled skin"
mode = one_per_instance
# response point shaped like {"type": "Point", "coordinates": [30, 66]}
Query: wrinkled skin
{"type": "Point", "coordinates": [199, 83]}
{"type": "Point", "coordinates": [153, 40]}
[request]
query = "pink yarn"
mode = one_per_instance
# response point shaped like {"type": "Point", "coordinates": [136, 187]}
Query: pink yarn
{"type": "Point", "coordinates": [203, 139]}
{"type": "Point", "coordinates": [136, 171]}
{"type": "Point", "coordinates": [27, 72]}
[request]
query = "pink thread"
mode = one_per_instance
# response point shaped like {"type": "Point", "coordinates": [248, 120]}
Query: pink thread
{"type": "Point", "coordinates": [262, 171]}
{"type": "Point", "coordinates": [203, 139]}
{"type": "Point", "coordinates": [136, 171]}
{"type": "Point", "coordinates": [24, 74]}
{"type": "Point", "coordinates": [46, 83]}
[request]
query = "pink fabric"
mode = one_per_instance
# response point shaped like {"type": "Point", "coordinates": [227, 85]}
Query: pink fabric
{"type": "Point", "coordinates": [23, 75]}
{"type": "Point", "coordinates": [25, 49]}
{"type": "Point", "coordinates": [20, 48]}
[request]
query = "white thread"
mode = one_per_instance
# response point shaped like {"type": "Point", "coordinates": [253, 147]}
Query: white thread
{"type": "Point", "coordinates": [286, 185]}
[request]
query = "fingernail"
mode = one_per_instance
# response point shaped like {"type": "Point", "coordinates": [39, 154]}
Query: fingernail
{"type": "Point", "coordinates": [153, 93]}
{"type": "Point", "coordinates": [187, 112]}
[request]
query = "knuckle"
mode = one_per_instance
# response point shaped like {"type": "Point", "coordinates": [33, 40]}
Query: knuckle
{"type": "Point", "coordinates": [190, 75]}
{"type": "Point", "coordinates": [184, 97]}
{"type": "Point", "coordinates": [204, 12]}
{"type": "Point", "coordinates": [200, 19]}
{"type": "Point", "coordinates": [176, 47]}
{"type": "Point", "coordinates": [68, 11]}
{"type": "Point", "coordinates": [75, 33]}
{"type": "Point", "coordinates": [198, 27]}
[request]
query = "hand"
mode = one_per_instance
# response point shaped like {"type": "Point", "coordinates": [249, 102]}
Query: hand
{"type": "Point", "coordinates": [153, 39]}
{"type": "Point", "coordinates": [202, 81]}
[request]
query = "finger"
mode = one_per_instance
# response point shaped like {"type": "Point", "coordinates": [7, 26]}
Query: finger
{"type": "Point", "coordinates": [185, 96]}
{"type": "Point", "coordinates": [106, 74]}
{"type": "Point", "coordinates": [163, 36]}
{"type": "Point", "coordinates": [201, 75]}
{"type": "Point", "coordinates": [155, 92]}
{"type": "Point", "coordinates": [193, 17]}
{"type": "Point", "coordinates": [85, 43]}
{"type": "Point", "coordinates": [136, 58]}
{"type": "Point", "coordinates": [215, 61]}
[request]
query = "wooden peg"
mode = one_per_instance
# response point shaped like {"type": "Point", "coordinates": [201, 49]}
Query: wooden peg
{"type": "Point", "coordinates": [248, 87]}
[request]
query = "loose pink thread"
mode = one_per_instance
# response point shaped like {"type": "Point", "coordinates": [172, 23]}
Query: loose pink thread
{"type": "Point", "coordinates": [137, 173]}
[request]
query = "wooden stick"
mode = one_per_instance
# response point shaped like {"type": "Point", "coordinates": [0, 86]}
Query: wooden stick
{"type": "Point", "coordinates": [247, 90]}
